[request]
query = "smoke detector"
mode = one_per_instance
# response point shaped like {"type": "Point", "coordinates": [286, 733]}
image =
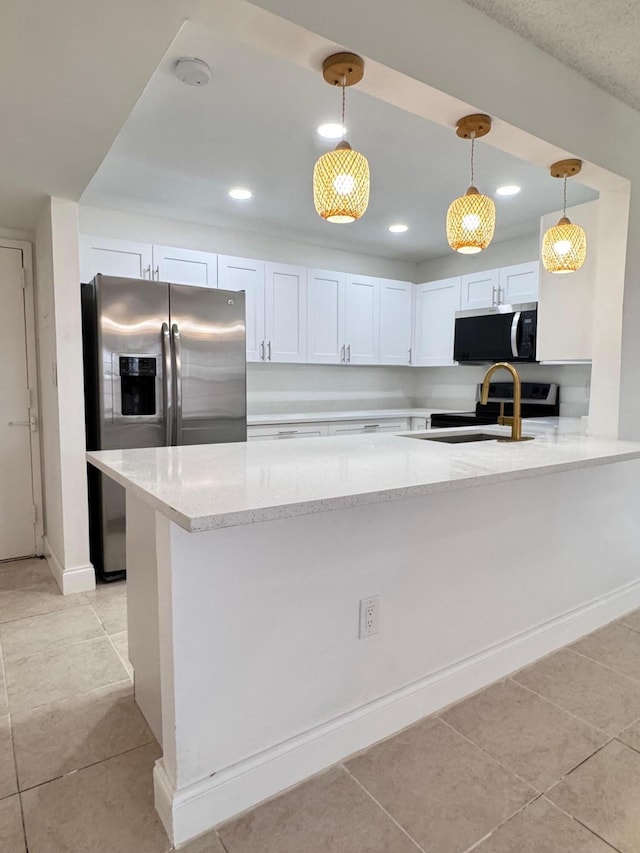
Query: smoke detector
{"type": "Point", "coordinates": [193, 72]}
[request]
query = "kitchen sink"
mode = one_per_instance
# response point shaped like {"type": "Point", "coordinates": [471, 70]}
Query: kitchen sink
{"type": "Point", "coordinates": [456, 438]}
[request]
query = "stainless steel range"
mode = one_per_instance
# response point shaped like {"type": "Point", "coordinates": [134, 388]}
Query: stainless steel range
{"type": "Point", "coordinates": [539, 400]}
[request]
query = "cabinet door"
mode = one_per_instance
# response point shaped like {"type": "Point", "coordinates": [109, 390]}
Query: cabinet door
{"type": "Point", "coordinates": [325, 316]}
{"type": "Point", "coordinates": [114, 257]}
{"type": "Point", "coordinates": [286, 313]}
{"type": "Point", "coordinates": [362, 319]}
{"type": "Point", "coordinates": [369, 427]}
{"type": "Point", "coordinates": [184, 266]}
{"type": "Point", "coordinates": [396, 314]}
{"type": "Point", "coordinates": [436, 304]}
{"type": "Point", "coordinates": [284, 431]}
{"type": "Point", "coordinates": [479, 290]}
{"type": "Point", "coordinates": [520, 283]}
{"type": "Point", "coordinates": [248, 275]}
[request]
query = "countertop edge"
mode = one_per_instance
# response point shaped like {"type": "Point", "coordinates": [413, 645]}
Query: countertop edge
{"type": "Point", "coordinates": [199, 524]}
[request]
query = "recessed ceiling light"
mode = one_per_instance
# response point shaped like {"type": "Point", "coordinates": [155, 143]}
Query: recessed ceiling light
{"type": "Point", "coordinates": [240, 193]}
{"type": "Point", "coordinates": [508, 189]}
{"type": "Point", "coordinates": [398, 228]}
{"type": "Point", "coordinates": [331, 130]}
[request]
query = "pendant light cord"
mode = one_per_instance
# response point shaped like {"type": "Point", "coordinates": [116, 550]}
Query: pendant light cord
{"type": "Point", "coordinates": [344, 96]}
{"type": "Point", "coordinates": [473, 143]}
{"type": "Point", "coordinates": [564, 204]}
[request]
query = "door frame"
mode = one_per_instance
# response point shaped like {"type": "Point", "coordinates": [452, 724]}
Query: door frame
{"type": "Point", "coordinates": [34, 386]}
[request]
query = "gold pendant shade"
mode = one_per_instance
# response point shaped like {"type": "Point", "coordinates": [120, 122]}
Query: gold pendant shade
{"type": "Point", "coordinates": [471, 222]}
{"type": "Point", "coordinates": [471, 219]}
{"type": "Point", "coordinates": [341, 184]}
{"type": "Point", "coordinates": [564, 247]}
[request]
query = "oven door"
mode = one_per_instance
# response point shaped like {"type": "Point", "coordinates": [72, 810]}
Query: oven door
{"type": "Point", "coordinates": [495, 335]}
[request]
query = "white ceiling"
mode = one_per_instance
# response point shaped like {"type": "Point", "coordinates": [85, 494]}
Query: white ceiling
{"type": "Point", "coordinates": [598, 38]}
{"type": "Point", "coordinates": [254, 124]}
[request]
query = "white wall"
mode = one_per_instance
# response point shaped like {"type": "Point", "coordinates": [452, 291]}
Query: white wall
{"type": "Point", "coordinates": [62, 399]}
{"type": "Point", "coordinates": [455, 387]}
{"type": "Point", "coordinates": [227, 241]}
{"type": "Point", "coordinates": [499, 254]}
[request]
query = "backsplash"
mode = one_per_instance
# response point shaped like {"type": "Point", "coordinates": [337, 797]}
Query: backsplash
{"type": "Point", "coordinates": [455, 387]}
{"type": "Point", "coordinates": [284, 388]}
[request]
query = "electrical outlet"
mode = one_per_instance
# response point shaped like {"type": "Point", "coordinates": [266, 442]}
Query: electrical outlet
{"type": "Point", "coordinates": [369, 616]}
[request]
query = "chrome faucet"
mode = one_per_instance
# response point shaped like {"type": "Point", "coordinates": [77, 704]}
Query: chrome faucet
{"type": "Point", "coordinates": [515, 420]}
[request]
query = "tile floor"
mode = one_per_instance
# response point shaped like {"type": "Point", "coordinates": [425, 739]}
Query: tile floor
{"type": "Point", "coordinates": [547, 761]}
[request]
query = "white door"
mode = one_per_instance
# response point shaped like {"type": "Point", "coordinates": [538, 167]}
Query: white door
{"type": "Point", "coordinates": [436, 304]}
{"type": "Point", "coordinates": [480, 290]}
{"type": "Point", "coordinates": [114, 257]}
{"type": "Point", "coordinates": [17, 520]}
{"type": "Point", "coordinates": [286, 313]}
{"type": "Point", "coordinates": [362, 319]}
{"type": "Point", "coordinates": [184, 266]}
{"type": "Point", "coordinates": [520, 283]}
{"type": "Point", "coordinates": [248, 275]}
{"type": "Point", "coordinates": [396, 314]}
{"type": "Point", "coordinates": [325, 317]}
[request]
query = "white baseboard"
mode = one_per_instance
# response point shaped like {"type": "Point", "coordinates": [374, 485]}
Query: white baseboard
{"type": "Point", "coordinates": [76, 579]}
{"type": "Point", "coordinates": [193, 810]}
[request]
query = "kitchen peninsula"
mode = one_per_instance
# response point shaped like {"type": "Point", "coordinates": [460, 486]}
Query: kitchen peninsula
{"type": "Point", "coordinates": [248, 564]}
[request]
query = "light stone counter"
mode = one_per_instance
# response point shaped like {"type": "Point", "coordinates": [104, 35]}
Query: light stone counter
{"type": "Point", "coordinates": [207, 487]}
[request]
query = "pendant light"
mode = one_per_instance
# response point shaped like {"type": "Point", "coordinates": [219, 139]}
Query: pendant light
{"type": "Point", "coordinates": [471, 219]}
{"type": "Point", "coordinates": [341, 177]}
{"type": "Point", "coordinates": [564, 247]}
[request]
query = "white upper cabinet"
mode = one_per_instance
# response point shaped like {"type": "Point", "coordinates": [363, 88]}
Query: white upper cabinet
{"type": "Point", "coordinates": [285, 313]}
{"type": "Point", "coordinates": [436, 305]}
{"type": "Point", "coordinates": [396, 321]}
{"type": "Point", "coordinates": [114, 257]}
{"type": "Point", "coordinates": [184, 266]}
{"type": "Point", "coordinates": [325, 316]}
{"type": "Point", "coordinates": [248, 275]}
{"type": "Point", "coordinates": [565, 303]}
{"type": "Point", "coordinates": [362, 319]}
{"type": "Point", "coordinates": [519, 283]}
{"type": "Point", "coordinates": [480, 290]}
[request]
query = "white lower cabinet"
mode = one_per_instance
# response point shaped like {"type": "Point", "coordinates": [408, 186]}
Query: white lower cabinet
{"type": "Point", "coordinates": [396, 321]}
{"type": "Point", "coordinates": [286, 431]}
{"type": "Point", "coordinates": [436, 305]}
{"type": "Point", "coordinates": [371, 427]}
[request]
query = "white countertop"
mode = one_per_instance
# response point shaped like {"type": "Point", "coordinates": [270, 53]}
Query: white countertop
{"type": "Point", "coordinates": [355, 415]}
{"type": "Point", "coordinates": [203, 487]}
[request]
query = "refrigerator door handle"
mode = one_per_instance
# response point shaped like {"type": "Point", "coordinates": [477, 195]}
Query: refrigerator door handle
{"type": "Point", "coordinates": [177, 360]}
{"type": "Point", "coordinates": [167, 402]}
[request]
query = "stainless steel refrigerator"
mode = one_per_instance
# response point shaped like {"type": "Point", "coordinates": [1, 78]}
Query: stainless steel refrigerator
{"type": "Point", "coordinates": [164, 364]}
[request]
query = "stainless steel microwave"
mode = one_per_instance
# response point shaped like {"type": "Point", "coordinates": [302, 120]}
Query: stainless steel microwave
{"type": "Point", "coordinates": [504, 333]}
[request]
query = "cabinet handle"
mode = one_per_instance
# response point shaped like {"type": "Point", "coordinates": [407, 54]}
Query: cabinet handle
{"type": "Point", "coordinates": [146, 272]}
{"type": "Point", "coordinates": [493, 296]}
{"type": "Point", "coordinates": [500, 296]}
{"type": "Point", "coordinates": [349, 353]}
{"type": "Point", "coordinates": [287, 432]}
{"type": "Point", "coordinates": [342, 355]}
{"type": "Point", "coordinates": [156, 273]}
{"type": "Point", "coordinates": [269, 351]}
{"type": "Point", "coordinates": [410, 355]}
{"type": "Point", "coordinates": [372, 426]}
{"type": "Point", "coordinates": [262, 350]}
